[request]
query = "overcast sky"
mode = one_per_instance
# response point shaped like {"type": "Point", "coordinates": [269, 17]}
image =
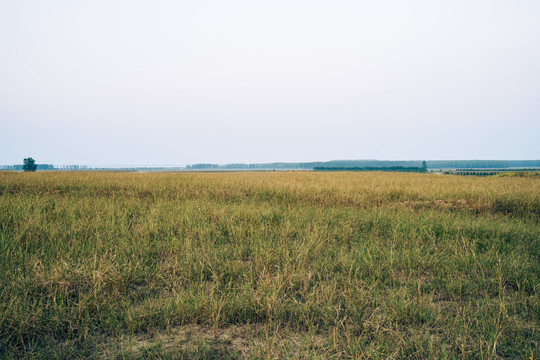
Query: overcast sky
{"type": "Point", "coordinates": [181, 82]}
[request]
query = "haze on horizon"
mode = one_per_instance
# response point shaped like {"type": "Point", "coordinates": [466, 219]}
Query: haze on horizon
{"type": "Point", "coordinates": [182, 82]}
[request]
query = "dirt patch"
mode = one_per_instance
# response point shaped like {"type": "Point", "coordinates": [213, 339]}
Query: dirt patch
{"type": "Point", "coordinates": [232, 340]}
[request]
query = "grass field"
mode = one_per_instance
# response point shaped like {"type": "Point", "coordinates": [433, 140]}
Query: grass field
{"type": "Point", "coordinates": [268, 265]}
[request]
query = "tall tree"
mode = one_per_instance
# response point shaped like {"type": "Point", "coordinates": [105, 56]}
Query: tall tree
{"type": "Point", "coordinates": [29, 164]}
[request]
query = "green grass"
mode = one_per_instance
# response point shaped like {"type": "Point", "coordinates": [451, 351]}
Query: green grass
{"type": "Point", "coordinates": [268, 265]}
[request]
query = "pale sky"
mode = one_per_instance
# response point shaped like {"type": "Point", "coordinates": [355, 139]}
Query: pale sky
{"type": "Point", "coordinates": [181, 82]}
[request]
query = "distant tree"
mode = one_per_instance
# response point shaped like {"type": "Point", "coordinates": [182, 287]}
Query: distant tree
{"type": "Point", "coordinates": [29, 164]}
{"type": "Point", "coordinates": [424, 166]}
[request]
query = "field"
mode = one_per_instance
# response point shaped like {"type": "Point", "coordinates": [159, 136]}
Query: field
{"type": "Point", "coordinates": [268, 265]}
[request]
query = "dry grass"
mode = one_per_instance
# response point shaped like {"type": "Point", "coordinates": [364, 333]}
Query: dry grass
{"type": "Point", "coordinates": [268, 265]}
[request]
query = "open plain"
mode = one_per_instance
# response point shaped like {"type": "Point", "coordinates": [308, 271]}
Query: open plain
{"type": "Point", "coordinates": [268, 265]}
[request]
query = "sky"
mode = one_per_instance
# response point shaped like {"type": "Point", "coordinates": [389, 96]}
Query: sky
{"type": "Point", "coordinates": [110, 82]}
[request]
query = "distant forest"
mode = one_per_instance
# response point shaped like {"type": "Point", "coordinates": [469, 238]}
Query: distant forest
{"type": "Point", "coordinates": [371, 168]}
{"type": "Point", "coordinates": [45, 167]}
{"type": "Point", "coordinates": [20, 167]}
{"type": "Point", "coordinates": [431, 164]}
{"type": "Point", "coordinates": [335, 165]}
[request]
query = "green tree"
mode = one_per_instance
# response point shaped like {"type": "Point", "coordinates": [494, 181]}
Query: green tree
{"type": "Point", "coordinates": [29, 164]}
{"type": "Point", "coordinates": [424, 166]}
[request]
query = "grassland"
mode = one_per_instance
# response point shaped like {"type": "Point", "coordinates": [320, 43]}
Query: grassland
{"type": "Point", "coordinates": [268, 265]}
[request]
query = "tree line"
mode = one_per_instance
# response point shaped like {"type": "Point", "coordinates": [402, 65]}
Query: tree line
{"type": "Point", "coordinates": [337, 165]}
{"type": "Point", "coordinates": [372, 168]}
{"type": "Point", "coordinates": [430, 164]}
